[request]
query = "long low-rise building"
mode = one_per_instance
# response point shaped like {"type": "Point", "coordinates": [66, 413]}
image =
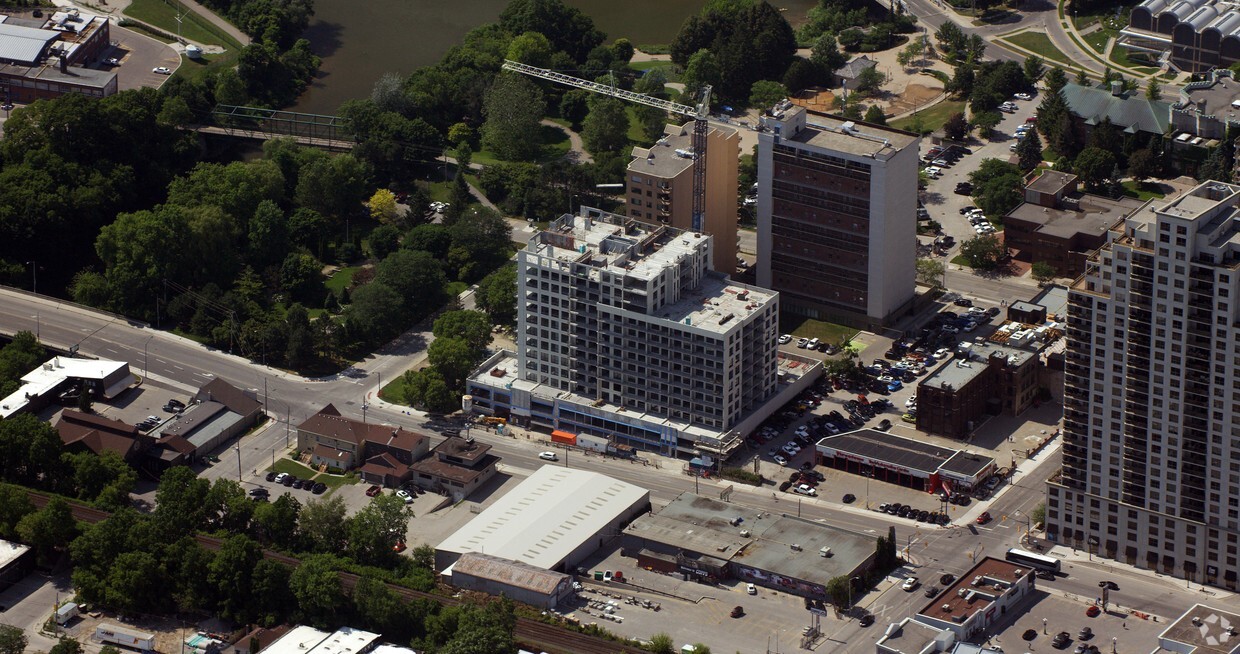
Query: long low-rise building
{"type": "Point", "coordinates": [699, 537]}
{"type": "Point", "coordinates": [895, 460]}
{"type": "Point", "coordinates": [98, 377]}
{"type": "Point", "coordinates": [517, 581]}
{"type": "Point", "coordinates": [552, 520]}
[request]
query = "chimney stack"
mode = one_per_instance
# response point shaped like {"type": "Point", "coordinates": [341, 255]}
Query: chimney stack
{"type": "Point", "coordinates": [64, 63]}
{"type": "Point", "coordinates": [1117, 88]}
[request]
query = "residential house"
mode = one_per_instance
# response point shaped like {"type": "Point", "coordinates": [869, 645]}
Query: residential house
{"type": "Point", "coordinates": [458, 466]}
{"type": "Point", "coordinates": [344, 443]}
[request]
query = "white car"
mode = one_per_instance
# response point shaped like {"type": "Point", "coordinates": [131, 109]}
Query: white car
{"type": "Point", "coordinates": [805, 490]}
{"type": "Point", "coordinates": [404, 495]}
{"type": "Point", "coordinates": [751, 589]}
{"type": "Point", "coordinates": [910, 403]}
{"type": "Point", "coordinates": [548, 456]}
{"type": "Point", "coordinates": [803, 343]}
{"type": "Point", "coordinates": [791, 449]}
{"type": "Point", "coordinates": [970, 326]}
{"type": "Point", "coordinates": [779, 458]}
{"type": "Point", "coordinates": [933, 171]}
{"type": "Point", "coordinates": [1023, 96]}
{"type": "Point", "coordinates": [162, 70]}
{"type": "Point", "coordinates": [113, 61]}
{"type": "Point", "coordinates": [941, 353]}
{"type": "Point", "coordinates": [910, 584]}
{"type": "Point", "coordinates": [785, 339]}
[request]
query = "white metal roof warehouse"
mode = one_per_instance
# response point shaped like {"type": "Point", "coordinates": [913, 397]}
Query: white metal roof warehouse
{"type": "Point", "coordinates": [552, 520]}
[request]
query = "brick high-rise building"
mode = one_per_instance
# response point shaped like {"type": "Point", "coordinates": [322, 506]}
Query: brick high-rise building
{"type": "Point", "coordinates": [837, 222]}
{"type": "Point", "coordinates": [1151, 454]}
{"type": "Point", "coordinates": [661, 186]}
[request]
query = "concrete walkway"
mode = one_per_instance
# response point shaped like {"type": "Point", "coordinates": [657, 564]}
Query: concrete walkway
{"type": "Point", "coordinates": [225, 26]}
{"type": "Point", "coordinates": [577, 149]}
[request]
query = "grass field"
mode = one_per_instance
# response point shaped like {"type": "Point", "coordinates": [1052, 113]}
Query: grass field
{"type": "Point", "coordinates": [1039, 44]}
{"type": "Point", "coordinates": [341, 280]}
{"type": "Point", "coordinates": [823, 331]}
{"type": "Point", "coordinates": [932, 117]}
{"type": "Point", "coordinates": [1142, 191]}
{"type": "Point", "coordinates": [555, 144]}
{"type": "Point", "coordinates": [959, 260]}
{"type": "Point", "coordinates": [670, 69]}
{"type": "Point", "coordinates": [193, 27]}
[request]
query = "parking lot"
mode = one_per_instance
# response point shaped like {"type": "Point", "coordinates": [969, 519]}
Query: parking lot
{"type": "Point", "coordinates": [135, 406]}
{"type": "Point", "coordinates": [693, 612]}
{"type": "Point", "coordinates": [1034, 629]}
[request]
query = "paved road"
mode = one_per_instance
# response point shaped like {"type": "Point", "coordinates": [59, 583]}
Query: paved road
{"type": "Point", "coordinates": [178, 363]}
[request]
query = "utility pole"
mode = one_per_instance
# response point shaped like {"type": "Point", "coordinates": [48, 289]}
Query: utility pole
{"type": "Point", "coordinates": [34, 271]}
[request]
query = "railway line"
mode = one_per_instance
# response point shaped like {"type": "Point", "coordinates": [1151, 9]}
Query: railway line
{"type": "Point", "coordinates": [529, 633]}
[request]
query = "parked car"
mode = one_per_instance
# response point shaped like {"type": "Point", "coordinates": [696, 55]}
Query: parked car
{"type": "Point", "coordinates": [738, 611]}
{"type": "Point", "coordinates": [404, 495]}
{"type": "Point", "coordinates": [849, 498]}
{"type": "Point", "coordinates": [803, 343]}
{"type": "Point", "coordinates": [373, 491]}
{"type": "Point", "coordinates": [258, 492]}
{"type": "Point", "coordinates": [279, 479]}
{"type": "Point", "coordinates": [161, 70]}
{"type": "Point", "coordinates": [271, 476]}
{"type": "Point", "coordinates": [1023, 96]}
{"type": "Point", "coordinates": [780, 460]}
{"type": "Point", "coordinates": [805, 489]}
{"type": "Point", "coordinates": [751, 589]}
{"type": "Point", "coordinates": [884, 425]}
{"type": "Point", "coordinates": [319, 488]}
{"type": "Point", "coordinates": [785, 339]}
{"type": "Point", "coordinates": [932, 591]}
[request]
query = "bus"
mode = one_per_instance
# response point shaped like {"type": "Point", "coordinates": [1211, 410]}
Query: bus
{"type": "Point", "coordinates": [1032, 560]}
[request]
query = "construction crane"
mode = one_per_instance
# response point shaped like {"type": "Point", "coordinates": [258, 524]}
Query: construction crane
{"type": "Point", "coordinates": [699, 113]}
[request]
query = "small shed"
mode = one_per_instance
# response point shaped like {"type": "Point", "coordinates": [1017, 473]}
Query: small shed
{"type": "Point", "coordinates": [67, 612]}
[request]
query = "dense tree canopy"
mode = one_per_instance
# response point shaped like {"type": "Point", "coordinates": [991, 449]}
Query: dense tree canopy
{"type": "Point", "coordinates": [750, 39]}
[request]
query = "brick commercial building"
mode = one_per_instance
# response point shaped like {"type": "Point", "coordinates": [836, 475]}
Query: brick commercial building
{"type": "Point", "coordinates": [837, 217]}
{"type": "Point", "coordinates": [661, 186]}
{"type": "Point", "coordinates": [47, 57]}
{"type": "Point", "coordinates": [1000, 376]}
{"type": "Point", "coordinates": [345, 443]}
{"type": "Point", "coordinates": [1058, 226]}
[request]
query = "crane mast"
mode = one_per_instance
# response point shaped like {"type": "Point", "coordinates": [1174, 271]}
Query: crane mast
{"type": "Point", "coordinates": [700, 114]}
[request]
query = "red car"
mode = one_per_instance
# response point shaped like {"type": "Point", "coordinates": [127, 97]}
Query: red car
{"type": "Point", "coordinates": [984, 518]}
{"type": "Point", "coordinates": [399, 546]}
{"type": "Point", "coordinates": [373, 491]}
{"type": "Point", "coordinates": [1093, 611]}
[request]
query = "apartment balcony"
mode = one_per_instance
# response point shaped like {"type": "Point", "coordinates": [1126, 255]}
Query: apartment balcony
{"type": "Point", "coordinates": [1198, 353]}
{"type": "Point", "coordinates": [1134, 499]}
{"type": "Point", "coordinates": [1202, 288]}
{"type": "Point", "coordinates": [1140, 315]}
{"type": "Point", "coordinates": [1141, 288]}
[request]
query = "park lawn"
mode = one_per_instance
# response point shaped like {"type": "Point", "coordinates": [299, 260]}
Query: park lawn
{"type": "Point", "coordinates": [341, 279]}
{"type": "Point", "coordinates": [636, 135]}
{"type": "Point", "coordinates": [823, 331]}
{"type": "Point", "coordinates": [1098, 40]}
{"type": "Point", "coordinates": [1141, 191]}
{"type": "Point", "coordinates": [1121, 57]}
{"type": "Point", "coordinates": [289, 466]}
{"type": "Point", "coordinates": [453, 289]}
{"type": "Point", "coordinates": [555, 144]}
{"type": "Point", "coordinates": [669, 69]}
{"type": "Point", "coordinates": [932, 117]}
{"type": "Point", "coordinates": [960, 260]}
{"type": "Point", "coordinates": [193, 27]}
{"type": "Point", "coordinates": [1039, 44]}
{"type": "Point", "coordinates": [196, 69]}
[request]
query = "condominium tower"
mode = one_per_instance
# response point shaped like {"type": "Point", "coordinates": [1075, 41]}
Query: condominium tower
{"type": "Point", "coordinates": [623, 331]}
{"type": "Point", "coordinates": [1151, 454]}
{"type": "Point", "coordinates": [661, 186]}
{"type": "Point", "coordinates": [837, 221]}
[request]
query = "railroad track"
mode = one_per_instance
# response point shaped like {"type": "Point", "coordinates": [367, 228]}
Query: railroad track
{"type": "Point", "coordinates": [530, 633]}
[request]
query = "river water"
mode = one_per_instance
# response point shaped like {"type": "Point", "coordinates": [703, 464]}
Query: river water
{"type": "Point", "coordinates": [360, 40]}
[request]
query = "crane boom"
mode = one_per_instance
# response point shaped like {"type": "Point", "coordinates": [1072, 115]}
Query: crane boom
{"type": "Point", "coordinates": [699, 113]}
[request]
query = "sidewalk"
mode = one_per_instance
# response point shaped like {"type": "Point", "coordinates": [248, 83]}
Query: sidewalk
{"type": "Point", "coordinates": [1081, 557]}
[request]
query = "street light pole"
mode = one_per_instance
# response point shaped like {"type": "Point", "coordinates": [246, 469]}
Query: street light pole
{"type": "Point", "coordinates": [34, 271]}
{"type": "Point", "coordinates": [145, 361]}
{"type": "Point", "coordinates": [238, 448]}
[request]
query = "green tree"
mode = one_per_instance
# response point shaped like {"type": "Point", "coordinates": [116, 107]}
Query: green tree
{"type": "Point", "coordinates": [567, 28]}
{"type": "Point", "coordinates": [1094, 166]}
{"type": "Point", "coordinates": [1029, 151]}
{"type": "Point", "coordinates": [956, 127]}
{"type": "Point", "coordinates": [531, 48]}
{"type": "Point", "coordinates": [320, 522]}
{"type": "Point", "coordinates": [1153, 91]}
{"type": "Point", "coordinates": [22, 355]}
{"type": "Point", "coordinates": [301, 276]}
{"type": "Point", "coordinates": [1042, 272]}
{"type": "Point", "coordinates": [66, 645]}
{"type": "Point", "coordinates": [986, 122]}
{"type": "Point", "coordinates": [702, 69]}
{"type": "Point", "coordinates": [135, 582]}
{"type": "Point", "coordinates": [373, 531]}
{"type": "Point", "coordinates": [316, 586]}
{"type": "Point", "coordinates": [838, 591]}
{"type": "Point", "coordinates": [1141, 165]}
{"type": "Point", "coordinates": [335, 186]}
{"type": "Point", "coordinates": [999, 196]}
{"type": "Point", "coordinates": [765, 93]}
{"type": "Point", "coordinates": [963, 80]}
{"type": "Point", "coordinates": [12, 639]}
{"type": "Point", "coordinates": [48, 530]}
{"type": "Point", "coordinates": [1214, 167]}
{"type": "Point", "coordinates": [513, 108]}
{"type": "Point", "coordinates": [653, 82]}
{"type": "Point", "coordinates": [276, 522]}
{"type": "Point", "coordinates": [606, 127]}
{"type": "Point", "coordinates": [870, 81]}
{"type": "Point", "coordinates": [180, 501]}
{"type": "Point", "coordinates": [384, 240]}
{"type": "Point", "coordinates": [826, 53]}
{"type": "Point", "coordinates": [268, 238]}
{"type": "Point", "coordinates": [459, 199]}
{"type": "Point", "coordinates": [661, 643]}
{"type": "Point", "coordinates": [481, 242]}
{"type": "Point", "coordinates": [1082, 79]}
{"type": "Point", "coordinates": [416, 276]}
{"type": "Point", "coordinates": [230, 573]}
{"type": "Point", "coordinates": [1038, 514]}
{"type": "Point", "coordinates": [382, 205]}
{"type": "Point", "coordinates": [952, 41]}
{"type": "Point", "coordinates": [983, 252]}
{"type": "Point", "coordinates": [473, 327]}
{"type": "Point", "coordinates": [376, 312]}
{"type": "Point", "coordinates": [875, 116]}
{"type": "Point", "coordinates": [497, 296]}
{"type": "Point", "coordinates": [433, 238]}
{"type": "Point", "coordinates": [14, 505]}
{"type": "Point", "coordinates": [1034, 67]}
{"type": "Point", "coordinates": [750, 39]}
{"type": "Point", "coordinates": [930, 272]}
{"type": "Point", "coordinates": [1055, 79]}
{"type": "Point", "coordinates": [453, 358]}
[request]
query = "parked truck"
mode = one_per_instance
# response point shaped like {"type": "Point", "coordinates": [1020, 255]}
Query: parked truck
{"type": "Point", "coordinates": [114, 635]}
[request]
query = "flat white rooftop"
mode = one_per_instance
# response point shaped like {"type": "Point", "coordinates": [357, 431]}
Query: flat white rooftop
{"type": "Point", "coordinates": [49, 375]}
{"type": "Point", "coordinates": [9, 552]}
{"type": "Point", "coordinates": [547, 516]}
{"type": "Point", "coordinates": [308, 640]}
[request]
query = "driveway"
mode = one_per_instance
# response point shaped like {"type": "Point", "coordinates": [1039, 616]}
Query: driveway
{"type": "Point", "coordinates": [139, 55]}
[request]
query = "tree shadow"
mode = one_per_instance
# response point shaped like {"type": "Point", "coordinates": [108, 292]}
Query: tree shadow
{"type": "Point", "coordinates": [325, 38]}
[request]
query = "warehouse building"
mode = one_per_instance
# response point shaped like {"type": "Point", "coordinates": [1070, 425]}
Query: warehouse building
{"type": "Point", "coordinates": [43, 385]}
{"type": "Point", "coordinates": [518, 581]}
{"type": "Point", "coordinates": [16, 561]}
{"type": "Point", "coordinates": [552, 520]}
{"type": "Point", "coordinates": [702, 538]}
